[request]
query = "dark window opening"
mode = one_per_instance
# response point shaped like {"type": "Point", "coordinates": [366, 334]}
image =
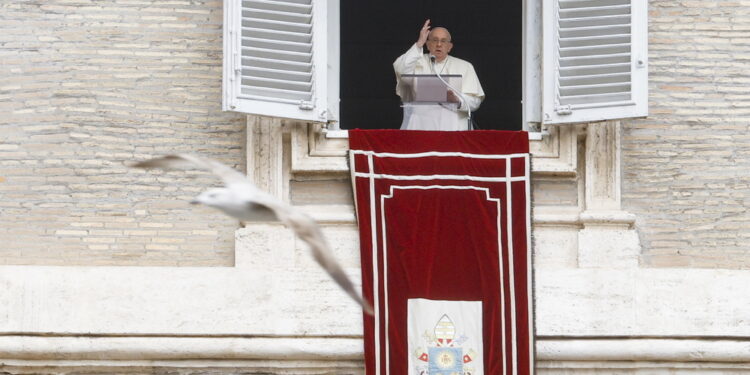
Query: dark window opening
{"type": "Point", "coordinates": [374, 33]}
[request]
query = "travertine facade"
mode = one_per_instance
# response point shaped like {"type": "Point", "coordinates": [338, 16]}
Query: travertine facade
{"type": "Point", "coordinates": [87, 86]}
{"type": "Point", "coordinates": [685, 167]}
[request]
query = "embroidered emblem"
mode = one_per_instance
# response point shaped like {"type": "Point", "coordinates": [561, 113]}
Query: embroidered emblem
{"type": "Point", "coordinates": [444, 354]}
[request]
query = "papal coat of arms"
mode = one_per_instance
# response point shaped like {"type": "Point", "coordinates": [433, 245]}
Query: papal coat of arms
{"type": "Point", "coordinates": [443, 353]}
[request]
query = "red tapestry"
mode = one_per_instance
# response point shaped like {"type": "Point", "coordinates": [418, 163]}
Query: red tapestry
{"type": "Point", "coordinates": [444, 221]}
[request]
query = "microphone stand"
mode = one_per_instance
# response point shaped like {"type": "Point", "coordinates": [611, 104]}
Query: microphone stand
{"type": "Point", "coordinates": [460, 95]}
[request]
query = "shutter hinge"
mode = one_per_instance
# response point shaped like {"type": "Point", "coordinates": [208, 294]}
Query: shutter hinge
{"type": "Point", "coordinates": [564, 110]}
{"type": "Point", "coordinates": [237, 67]}
{"type": "Point", "coordinates": [308, 106]}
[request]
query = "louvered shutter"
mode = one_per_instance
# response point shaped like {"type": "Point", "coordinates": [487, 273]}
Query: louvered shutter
{"type": "Point", "coordinates": [594, 60]}
{"type": "Point", "coordinates": [275, 58]}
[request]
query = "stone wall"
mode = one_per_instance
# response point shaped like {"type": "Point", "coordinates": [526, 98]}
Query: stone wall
{"type": "Point", "coordinates": [85, 87]}
{"type": "Point", "coordinates": [686, 171]}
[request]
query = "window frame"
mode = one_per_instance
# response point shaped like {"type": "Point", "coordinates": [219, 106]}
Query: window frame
{"type": "Point", "coordinates": [538, 77]}
{"type": "Point", "coordinates": [531, 66]}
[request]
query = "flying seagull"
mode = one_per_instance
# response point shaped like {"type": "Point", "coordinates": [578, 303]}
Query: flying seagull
{"type": "Point", "coordinates": [242, 200]}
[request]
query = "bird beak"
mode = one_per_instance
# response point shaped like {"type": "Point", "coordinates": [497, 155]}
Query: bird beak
{"type": "Point", "coordinates": [194, 201]}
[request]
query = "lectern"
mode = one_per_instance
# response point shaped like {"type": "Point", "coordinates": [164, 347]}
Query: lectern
{"type": "Point", "coordinates": [425, 102]}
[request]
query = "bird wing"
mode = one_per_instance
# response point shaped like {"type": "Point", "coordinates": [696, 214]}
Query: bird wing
{"type": "Point", "coordinates": [181, 161]}
{"type": "Point", "coordinates": [308, 231]}
{"type": "Point", "coordinates": [234, 180]}
{"type": "Point", "coordinates": [303, 226]}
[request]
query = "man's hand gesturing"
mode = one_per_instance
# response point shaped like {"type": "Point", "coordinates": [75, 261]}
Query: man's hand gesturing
{"type": "Point", "coordinates": [423, 33]}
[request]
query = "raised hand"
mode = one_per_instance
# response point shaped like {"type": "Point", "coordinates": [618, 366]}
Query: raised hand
{"type": "Point", "coordinates": [424, 32]}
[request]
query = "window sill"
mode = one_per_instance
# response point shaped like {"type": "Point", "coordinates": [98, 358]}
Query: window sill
{"type": "Point", "coordinates": [344, 134]}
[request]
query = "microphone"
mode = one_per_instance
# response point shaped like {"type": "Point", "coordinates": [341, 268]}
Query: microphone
{"type": "Point", "coordinates": [460, 95]}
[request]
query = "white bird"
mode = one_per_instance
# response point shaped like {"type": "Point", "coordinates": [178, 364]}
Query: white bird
{"type": "Point", "coordinates": [242, 200]}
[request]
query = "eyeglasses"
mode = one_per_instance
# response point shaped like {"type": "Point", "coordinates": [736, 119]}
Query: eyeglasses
{"type": "Point", "coordinates": [443, 41]}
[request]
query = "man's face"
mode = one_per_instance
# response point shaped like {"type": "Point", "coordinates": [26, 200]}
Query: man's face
{"type": "Point", "coordinates": [439, 43]}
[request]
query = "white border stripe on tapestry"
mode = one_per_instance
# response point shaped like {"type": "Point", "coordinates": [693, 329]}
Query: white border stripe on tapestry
{"type": "Point", "coordinates": [436, 153]}
{"type": "Point", "coordinates": [439, 177]}
{"type": "Point", "coordinates": [384, 241]}
{"type": "Point", "coordinates": [374, 234]}
{"type": "Point", "coordinates": [502, 287]}
{"type": "Point", "coordinates": [499, 254]}
{"type": "Point", "coordinates": [511, 276]}
{"type": "Point", "coordinates": [529, 260]}
{"type": "Point", "coordinates": [353, 172]}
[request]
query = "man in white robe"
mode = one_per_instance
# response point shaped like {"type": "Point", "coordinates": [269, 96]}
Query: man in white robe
{"type": "Point", "coordinates": [437, 117]}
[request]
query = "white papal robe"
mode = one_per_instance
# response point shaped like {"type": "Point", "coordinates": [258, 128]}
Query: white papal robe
{"type": "Point", "coordinates": [437, 117]}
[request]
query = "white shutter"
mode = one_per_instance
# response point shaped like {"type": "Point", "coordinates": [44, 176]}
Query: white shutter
{"type": "Point", "coordinates": [275, 58]}
{"type": "Point", "coordinates": [594, 60]}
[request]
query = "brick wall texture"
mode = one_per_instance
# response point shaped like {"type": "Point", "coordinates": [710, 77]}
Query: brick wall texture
{"type": "Point", "coordinates": [88, 85]}
{"type": "Point", "coordinates": [686, 168]}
